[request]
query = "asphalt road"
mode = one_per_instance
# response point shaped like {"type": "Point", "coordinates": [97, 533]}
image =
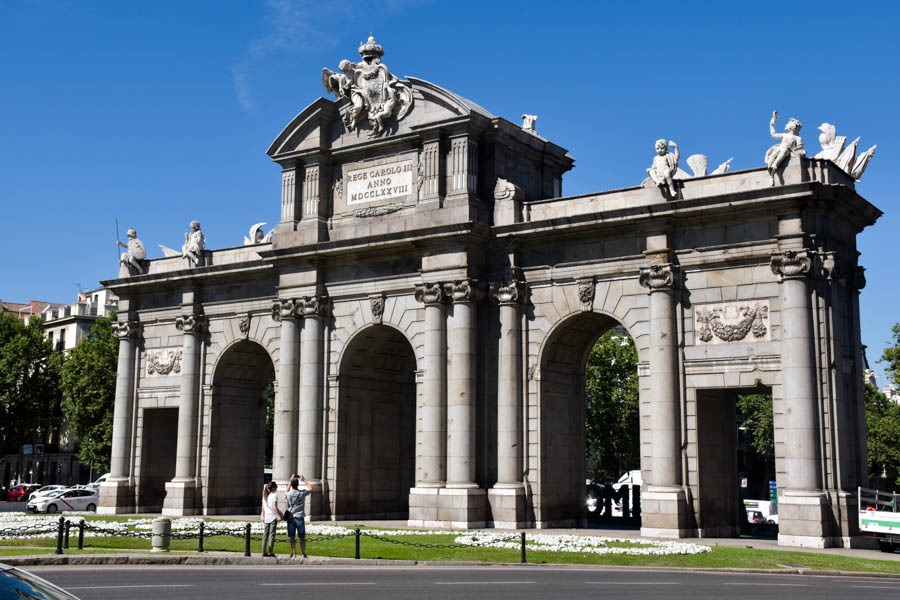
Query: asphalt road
{"type": "Point", "coordinates": [437, 583]}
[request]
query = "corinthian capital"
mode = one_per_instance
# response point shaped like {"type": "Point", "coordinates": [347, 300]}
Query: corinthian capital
{"type": "Point", "coordinates": [464, 290]}
{"type": "Point", "coordinates": [430, 293]}
{"type": "Point", "coordinates": [126, 329]}
{"type": "Point", "coordinates": [192, 323]}
{"type": "Point", "coordinates": [508, 292]}
{"type": "Point", "coordinates": [311, 306]}
{"type": "Point", "coordinates": [792, 263]}
{"type": "Point", "coordinates": [659, 277]}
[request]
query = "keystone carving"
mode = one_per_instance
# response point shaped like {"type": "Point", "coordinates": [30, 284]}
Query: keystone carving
{"type": "Point", "coordinates": [659, 277]}
{"type": "Point", "coordinates": [166, 361]}
{"type": "Point", "coordinates": [244, 325]}
{"type": "Point", "coordinates": [732, 322]}
{"type": "Point", "coordinates": [377, 304]}
{"type": "Point", "coordinates": [586, 291]}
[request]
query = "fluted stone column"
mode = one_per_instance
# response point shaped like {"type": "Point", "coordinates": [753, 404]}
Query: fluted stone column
{"type": "Point", "coordinates": [309, 445]}
{"type": "Point", "coordinates": [181, 492]}
{"type": "Point", "coordinates": [115, 494]}
{"type": "Point", "coordinates": [430, 467]}
{"type": "Point", "coordinates": [507, 497]}
{"type": "Point", "coordinates": [664, 507]}
{"type": "Point", "coordinates": [284, 450]}
{"type": "Point", "coordinates": [461, 384]}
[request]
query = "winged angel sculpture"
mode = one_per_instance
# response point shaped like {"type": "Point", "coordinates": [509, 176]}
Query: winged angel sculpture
{"type": "Point", "coordinates": [375, 95]}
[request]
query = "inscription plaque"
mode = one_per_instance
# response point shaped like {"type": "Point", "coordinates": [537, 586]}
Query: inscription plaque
{"type": "Point", "coordinates": [382, 182]}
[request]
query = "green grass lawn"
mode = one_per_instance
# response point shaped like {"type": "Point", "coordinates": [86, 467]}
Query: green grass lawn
{"type": "Point", "coordinates": [441, 547]}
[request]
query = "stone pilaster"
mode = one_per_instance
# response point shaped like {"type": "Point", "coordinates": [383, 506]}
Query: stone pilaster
{"type": "Point", "coordinates": [664, 506]}
{"type": "Point", "coordinates": [284, 451]}
{"type": "Point", "coordinates": [430, 171]}
{"type": "Point", "coordinates": [507, 497]}
{"type": "Point", "coordinates": [802, 502]}
{"type": "Point", "coordinates": [461, 383]}
{"type": "Point", "coordinates": [463, 165]}
{"type": "Point", "coordinates": [290, 195]}
{"type": "Point", "coordinates": [312, 309]}
{"type": "Point", "coordinates": [182, 491]}
{"type": "Point", "coordinates": [117, 493]}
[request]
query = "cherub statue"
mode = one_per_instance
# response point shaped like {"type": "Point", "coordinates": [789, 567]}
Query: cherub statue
{"type": "Point", "coordinates": [194, 245]}
{"type": "Point", "coordinates": [135, 254]}
{"type": "Point", "coordinates": [665, 165]}
{"type": "Point", "coordinates": [791, 143]}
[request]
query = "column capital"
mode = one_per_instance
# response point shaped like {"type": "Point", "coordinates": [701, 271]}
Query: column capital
{"type": "Point", "coordinates": [284, 308]}
{"type": "Point", "coordinates": [311, 306]}
{"type": "Point", "coordinates": [130, 329]}
{"type": "Point", "coordinates": [430, 294]}
{"type": "Point", "coordinates": [508, 292]}
{"type": "Point", "coordinates": [464, 290]}
{"type": "Point", "coordinates": [662, 277]}
{"type": "Point", "coordinates": [192, 323]}
{"type": "Point", "coordinates": [792, 264]}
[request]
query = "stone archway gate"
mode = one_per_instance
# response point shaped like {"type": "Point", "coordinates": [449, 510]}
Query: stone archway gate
{"type": "Point", "coordinates": [445, 224]}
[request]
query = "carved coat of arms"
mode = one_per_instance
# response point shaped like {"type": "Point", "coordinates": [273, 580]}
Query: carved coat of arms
{"type": "Point", "coordinates": [375, 95]}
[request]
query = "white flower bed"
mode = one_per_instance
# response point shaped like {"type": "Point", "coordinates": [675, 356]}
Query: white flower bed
{"type": "Point", "coordinates": [511, 540]}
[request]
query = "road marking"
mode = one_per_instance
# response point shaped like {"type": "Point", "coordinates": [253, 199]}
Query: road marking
{"type": "Point", "coordinates": [876, 587]}
{"type": "Point", "coordinates": [481, 582]}
{"type": "Point", "coordinates": [121, 587]}
{"type": "Point", "coordinates": [631, 583]}
{"type": "Point", "coordinates": [757, 584]}
{"type": "Point", "coordinates": [320, 583]}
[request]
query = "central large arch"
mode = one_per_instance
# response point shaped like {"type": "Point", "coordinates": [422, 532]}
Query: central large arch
{"type": "Point", "coordinates": [237, 429]}
{"type": "Point", "coordinates": [375, 466]}
{"type": "Point", "coordinates": [562, 417]}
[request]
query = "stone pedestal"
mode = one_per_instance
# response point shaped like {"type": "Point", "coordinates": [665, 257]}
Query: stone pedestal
{"type": "Point", "coordinates": [455, 508]}
{"type": "Point", "coordinates": [664, 513]}
{"type": "Point", "coordinates": [507, 506]}
{"type": "Point", "coordinates": [116, 497]}
{"type": "Point", "coordinates": [181, 498]}
{"type": "Point", "coordinates": [803, 518]}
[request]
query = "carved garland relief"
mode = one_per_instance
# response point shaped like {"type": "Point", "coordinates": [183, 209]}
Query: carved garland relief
{"type": "Point", "coordinates": [732, 322]}
{"type": "Point", "coordinates": [165, 361]}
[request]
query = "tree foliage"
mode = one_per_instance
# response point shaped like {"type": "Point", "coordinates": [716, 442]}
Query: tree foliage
{"type": "Point", "coordinates": [757, 416]}
{"type": "Point", "coordinates": [89, 391]}
{"type": "Point", "coordinates": [611, 394]}
{"type": "Point", "coordinates": [883, 441]}
{"type": "Point", "coordinates": [29, 383]}
{"type": "Point", "coordinates": [891, 356]}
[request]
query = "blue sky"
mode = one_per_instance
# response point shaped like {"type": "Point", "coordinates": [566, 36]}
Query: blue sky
{"type": "Point", "coordinates": [157, 113]}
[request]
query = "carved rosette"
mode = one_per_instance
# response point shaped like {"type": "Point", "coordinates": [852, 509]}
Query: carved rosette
{"type": "Point", "coordinates": [732, 322]}
{"type": "Point", "coordinates": [165, 361]}
{"type": "Point", "coordinates": [586, 291]}
{"type": "Point", "coordinates": [376, 302]}
{"type": "Point", "coordinates": [192, 323]}
{"type": "Point", "coordinates": [659, 277]}
{"type": "Point", "coordinates": [127, 329]}
{"type": "Point", "coordinates": [508, 292]}
{"type": "Point", "coordinates": [792, 264]}
{"type": "Point", "coordinates": [464, 290]}
{"type": "Point", "coordinates": [311, 306]}
{"type": "Point", "coordinates": [283, 309]}
{"type": "Point", "coordinates": [430, 294]}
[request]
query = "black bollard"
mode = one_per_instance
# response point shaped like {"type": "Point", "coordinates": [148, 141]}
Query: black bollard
{"type": "Point", "coordinates": [357, 544]}
{"type": "Point", "coordinates": [200, 544]}
{"type": "Point", "coordinates": [247, 540]}
{"type": "Point", "coordinates": [523, 547]}
{"type": "Point", "coordinates": [66, 538]}
{"type": "Point", "coordinates": [59, 535]}
{"type": "Point", "coordinates": [81, 535]}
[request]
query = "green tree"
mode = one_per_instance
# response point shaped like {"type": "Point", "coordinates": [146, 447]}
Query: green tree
{"type": "Point", "coordinates": [891, 356]}
{"type": "Point", "coordinates": [883, 440]}
{"type": "Point", "coordinates": [89, 392]}
{"type": "Point", "coordinates": [611, 393]}
{"type": "Point", "coordinates": [29, 384]}
{"type": "Point", "coordinates": [756, 414]}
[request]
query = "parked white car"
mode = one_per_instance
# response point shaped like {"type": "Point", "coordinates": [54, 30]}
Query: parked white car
{"type": "Point", "coordinates": [44, 491]}
{"type": "Point", "coordinates": [75, 499]}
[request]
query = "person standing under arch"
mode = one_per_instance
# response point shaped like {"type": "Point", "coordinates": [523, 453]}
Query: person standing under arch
{"type": "Point", "coordinates": [270, 515]}
{"type": "Point", "coordinates": [295, 514]}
